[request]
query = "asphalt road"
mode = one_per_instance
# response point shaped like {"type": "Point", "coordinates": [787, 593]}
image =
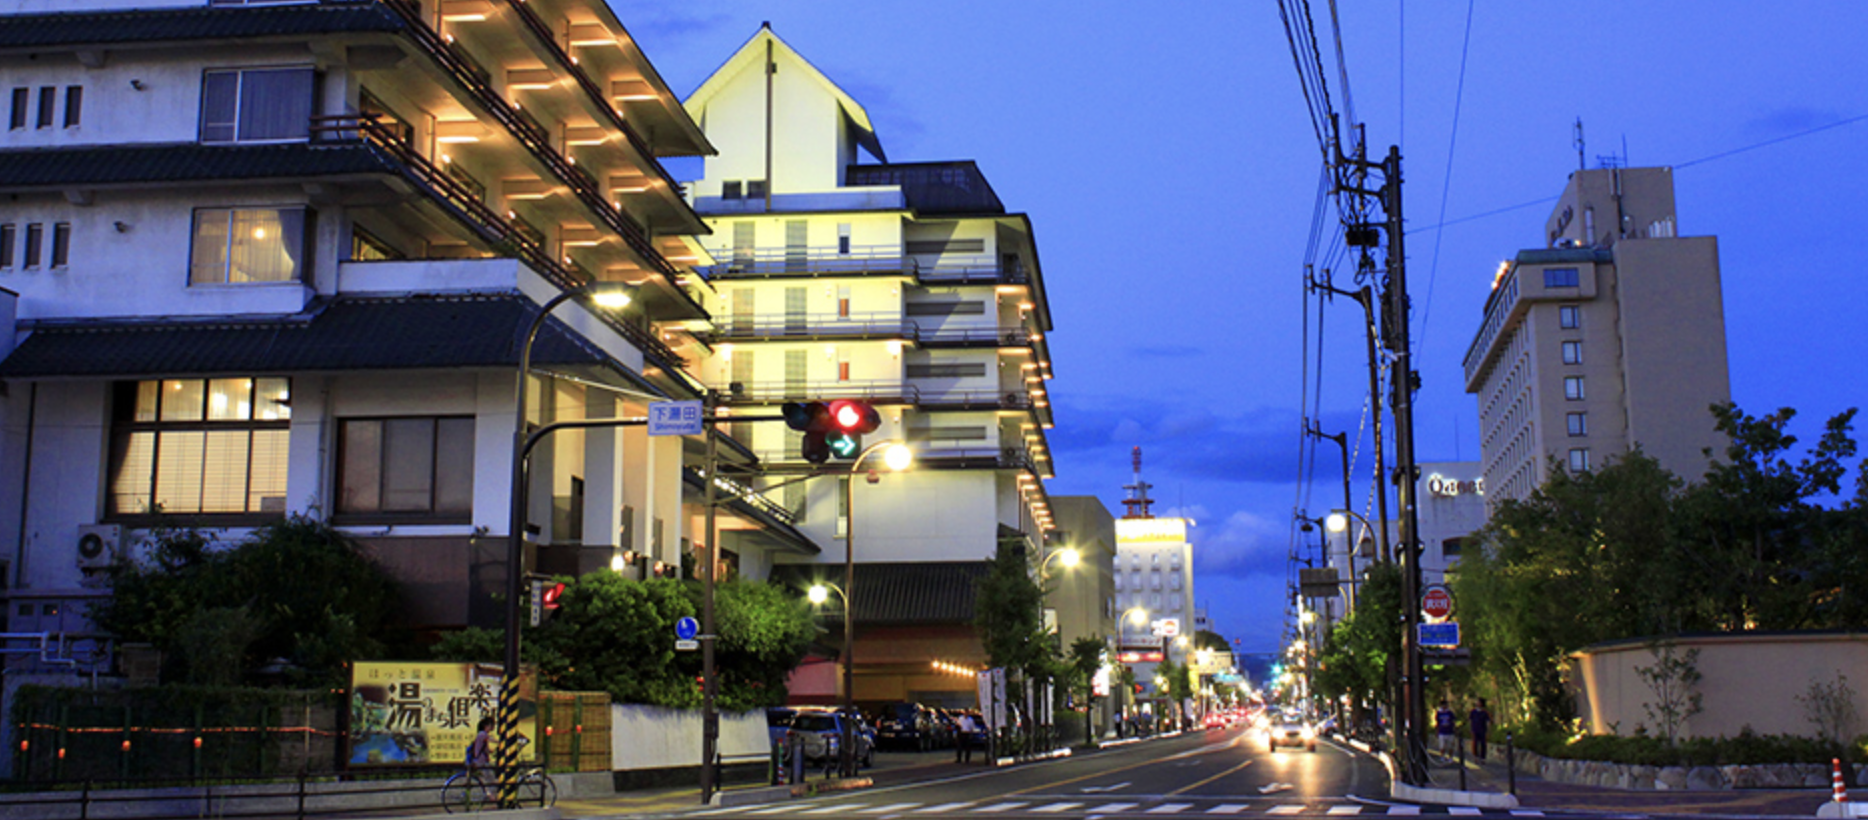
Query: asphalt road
{"type": "Point", "coordinates": [1215, 773]}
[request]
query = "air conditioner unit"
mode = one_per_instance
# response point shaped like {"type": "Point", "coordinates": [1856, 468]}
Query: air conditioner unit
{"type": "Point", "coordinates": [97, 545]}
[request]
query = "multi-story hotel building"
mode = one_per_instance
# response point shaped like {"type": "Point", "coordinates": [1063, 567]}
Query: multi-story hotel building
{"type": "Point", "coordinates": [263, 258]}
{"type": "Point", "coordinates": [840, 274]}
{"type": "Point", "coordinates": [1611, 337]}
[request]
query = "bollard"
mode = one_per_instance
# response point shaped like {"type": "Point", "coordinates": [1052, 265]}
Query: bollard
{"type": "Point", "coordinates": [1462, 761]}
{"type": "Point", "coordinates": [1841, 791]}
{"type": "Point", "coordinates": [1511, 766]}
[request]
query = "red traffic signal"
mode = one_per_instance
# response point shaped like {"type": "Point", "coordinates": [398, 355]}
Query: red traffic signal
{"type": "Point", "coordinates": [854, 418]}
{"type": "Point", "coordinates": [549, 598]}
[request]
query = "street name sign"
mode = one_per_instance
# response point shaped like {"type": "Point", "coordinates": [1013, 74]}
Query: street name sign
{"type": "Point", "coordinates": [1440, 634]}
{"type": "Point", "coordinates": [675, 418]}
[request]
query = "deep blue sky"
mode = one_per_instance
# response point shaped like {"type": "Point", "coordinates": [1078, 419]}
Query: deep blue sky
{"type": "Point", "coordinates": [1165, 157]}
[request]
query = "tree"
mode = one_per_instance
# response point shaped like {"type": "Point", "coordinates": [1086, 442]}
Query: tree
{"type": "Point", "coordinates": [1085, 659]}
{"type": "Point", "coordinates": [1673, 679]}
{"type": "Point", "coordinates": [1009, 615]}
{"type": "Point", "coordinates": [1359, 649]}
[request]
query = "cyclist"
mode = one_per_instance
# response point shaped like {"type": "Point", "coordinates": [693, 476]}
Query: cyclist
{"type": "Point", "coordinates": [480, 751]}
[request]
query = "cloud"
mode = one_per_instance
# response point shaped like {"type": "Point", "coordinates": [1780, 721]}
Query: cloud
{"type": "Point", "coordinates": [665, 23]}
{"type": "Point", "coordinates": [1243, 545]}
{"type": "Point", "coordinates": [1791, 119]}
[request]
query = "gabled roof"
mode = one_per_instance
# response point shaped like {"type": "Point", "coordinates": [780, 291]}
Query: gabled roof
{"type": "Point", "coordinates": [753, 53]}
{"type": "Point", "coordinates": [20, 31]}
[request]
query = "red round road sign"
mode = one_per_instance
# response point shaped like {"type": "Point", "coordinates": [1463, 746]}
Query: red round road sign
{"type": "Point", "coordinates": [1436, 602]}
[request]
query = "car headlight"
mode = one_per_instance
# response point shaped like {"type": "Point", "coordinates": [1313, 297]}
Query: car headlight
{"type": "Point", "coordinates": [1309, 733]}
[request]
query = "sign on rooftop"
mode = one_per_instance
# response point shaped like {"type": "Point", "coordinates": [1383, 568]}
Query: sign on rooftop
{"type": "Point", "coordinates": [1144, 530]}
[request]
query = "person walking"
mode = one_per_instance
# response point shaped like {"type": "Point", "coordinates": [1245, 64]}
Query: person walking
{"type": "Point", "coordinates": [1480, 721]}
{"type": "Point", "coordinates": [1443, 726]}
{"type": "Point", "coordinates": [964, 729]}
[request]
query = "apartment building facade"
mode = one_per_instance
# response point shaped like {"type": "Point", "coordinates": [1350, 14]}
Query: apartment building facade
{"type": "Point", "coordinates": [267, 258]}
{"type": "Point", "coordinates": [839, 274]}
{"type": "Point", "coordinates": [1611, 337]}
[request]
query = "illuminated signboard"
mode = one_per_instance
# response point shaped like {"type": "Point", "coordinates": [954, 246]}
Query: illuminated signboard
{"type": "Point", "coordinates": [1148, 530]}
{"type": "Point", "coordinates": [1440, 486]}
{"type": "Point", "coordinates": [405, 712]}
{"type": "Point", "coordinates": [1152, 656]}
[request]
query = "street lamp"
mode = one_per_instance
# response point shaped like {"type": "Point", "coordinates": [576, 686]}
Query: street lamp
{"type": "Point", "coordinates": [897, 457]}
{"type": "Point", "coordinates": [607, 295]}
{"type": "Point", "coordinates": [1069, 557]}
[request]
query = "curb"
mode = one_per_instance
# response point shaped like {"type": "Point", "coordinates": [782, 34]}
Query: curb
{"type": "Point", "coordinates": [1844, 809]}
{"type": "Point", "coordinates": [831, 786]}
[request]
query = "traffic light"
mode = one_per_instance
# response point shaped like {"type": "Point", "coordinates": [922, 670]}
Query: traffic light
{"type": "Point", "coordinates": [813, 419]}
{"type": "Point", "coordinates": [545, 599]}
{"type": "Point", "coordinates": [552, 592]}
{"type": "Point", "coordinates": [849, 420]}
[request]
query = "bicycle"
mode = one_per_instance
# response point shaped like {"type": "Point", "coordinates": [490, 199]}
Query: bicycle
{"type": "Point", "coordinates": [477, 789]}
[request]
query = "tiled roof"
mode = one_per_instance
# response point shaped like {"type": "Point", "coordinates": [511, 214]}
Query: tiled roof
{"type": "Point", "coordinates": [344, 334]}
{"type": "Point", "coordinates": [181, 25]}
{"type": "Point", "coordinates": [901, 593]}
{"type": "Point", "coordinates": [183, 162]}
{"type": "Point", "coordinates": [933, 187]}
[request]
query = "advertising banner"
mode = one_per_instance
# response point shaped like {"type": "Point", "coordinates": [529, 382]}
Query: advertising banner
{"type": "Point", "coordinates": [407, 712]}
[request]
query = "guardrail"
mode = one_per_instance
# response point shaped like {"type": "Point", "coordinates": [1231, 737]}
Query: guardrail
{"type": "Point", "coordinates": [303, 796]}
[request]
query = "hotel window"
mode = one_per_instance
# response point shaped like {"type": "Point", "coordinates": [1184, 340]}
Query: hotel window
{"type": "Point", "coordinates": [35, 243]}
{"type": "Point", "coordinates": [1579, 460]}
{"type": "Point", "coordinates": [199, 447]}
{"type": "Point", "coordinates": [9, 234]}
{"type": "Point", "coordinates": [241, 245]}
{"type": "Point", "coordinates": [1573, 388]}
{"type": "Point", "coordinates": [1579, 423]}
{"type": "Point", "coordinates": [61, 244]}
{"type": "Point", "coordinates": [1572, 352]}
{"type": "Point", "coordinates": [843, 302]}
{"type": "Point", "coordinates": [22, 97]}
{"type": "Point", "coordinates": [1561, 278]}
{"type": "Point", "coordinates": [1569, 317]}
{"type": "Point", "coordinates": [755, 189]}
{"type": "Point", "coordinates": [48, 99]}
{"type": "Point", "coordinates": [417, 467]}
{"type": "Point", "coordinates": [843, 238]}
{"type": "Point", "coordinates": [731, 190]}
{"type": "Point", "coordinates": [74, 103]}
{"type": "Point", "coordinates": [1450, 548]}
{"type": "Point", "coordinates": [257, 104]}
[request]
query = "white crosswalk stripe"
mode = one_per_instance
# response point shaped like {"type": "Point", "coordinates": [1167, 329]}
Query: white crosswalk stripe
{"type": "Point", "coordinates": [1056, 807]}
{"type": "Point", "coordinates": [780, 809]}
{"type": "Point", "coordinates": [1462, 811]}
{"type": "Point", "coordinates": [1403, 811]}
{"type": "Point", "coordinates": [997, 807]}
{"type": "Point", "coordinates": [1170, 808]}
{"type": "Point", "coordinates": [1345, 810]}
{"type": "Point", "coordinates": [944, 807]}
{"type": "Point", "coordinates": [1228, 808]}
{"type": "Point", "coordinates": [1286, 810]}
{"type": "Point", "coordinates": [890, 808]}
{"type": "Point", "coordinates": [1526, 813]}
{"type": "Point", "coordinates": [846, 808]}
{"type": "Point", "coordinates": [1111, 807]}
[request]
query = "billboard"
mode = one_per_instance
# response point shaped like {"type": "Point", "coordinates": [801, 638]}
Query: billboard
{"type": "Point", "coordinates": [409, 712]}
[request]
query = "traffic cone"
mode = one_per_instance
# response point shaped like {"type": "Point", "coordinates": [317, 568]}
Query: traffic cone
{"type": "Point", "coordinates": [1841, 791]}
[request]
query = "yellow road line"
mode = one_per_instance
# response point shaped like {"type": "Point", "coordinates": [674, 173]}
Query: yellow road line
{"type": "Point", "coordinates": [1106, 772]}
{"type": "Point", "coordinates": [1208, 780]}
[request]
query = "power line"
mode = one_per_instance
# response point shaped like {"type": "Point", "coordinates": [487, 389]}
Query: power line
{"type": "Point", "coordinates": [1446, 185]}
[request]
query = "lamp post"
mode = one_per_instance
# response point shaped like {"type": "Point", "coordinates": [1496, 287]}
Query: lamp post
{"type": "Point", "coordinates": [608, 295]}
{"type": "Point", "coordinates": [897, 458]}
{"type": "Point", "coordinates": [1069, 557]}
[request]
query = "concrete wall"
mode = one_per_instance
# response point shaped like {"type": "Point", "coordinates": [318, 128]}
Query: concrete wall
{"type": "Point", "coordinates": [1747, 680]}
{"type": "Point", "coordinates": [655, 737]}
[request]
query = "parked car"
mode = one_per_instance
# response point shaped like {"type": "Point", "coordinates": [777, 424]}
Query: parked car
{"type": "Point", "coordinates": [946, 727]}
{"type": "Point", "coordinates": [909, 725]}
{"type": "Point", "coordinates": [1290, 729]}
{"type": "Point", "coordinates": [778, 721]}
{"type": "Point", "coordinates": [820, 734]}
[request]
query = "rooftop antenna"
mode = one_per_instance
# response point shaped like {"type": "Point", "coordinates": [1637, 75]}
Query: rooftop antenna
{"type": "Point", "coordinates": [1581, 164]}
{"type": "Point", "coordinates": [1138, 500]}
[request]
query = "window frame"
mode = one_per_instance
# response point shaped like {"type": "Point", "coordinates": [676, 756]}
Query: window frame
{"type": "Point", "coordinates": [1571, 351]}
{"type": "Point", "coordinates": [1573, 388]}
{"type": "Point", "coordinates": [429, 515]}
{"type": "Point", "coordinates": [74, 105]}
{"type": "Point", "coordinates": [19, 115]}
{"type": "Point", "coordinates": [1569, 317]}
{"type": "Point", "coordinates": [308, 240]}
{"type": "Point", "coordinates": [1577, 423]}
{"type": "Point", "coordinates": [48, 107]}
{"type": "Point", "coordinates": [61, 246]}
{"type": "Point", "coordinates": [240, 81]}
{"type": "Point", "coordinates": [9, 242]}
{"type": "Point", "coordinates": [1579, 460]}
{"type": "Point", "coordinates": [124, 424]}
{"type": "Point", "coordinates": [33, 247]}
{"type": "Point", "coordinates": [1562, 278]}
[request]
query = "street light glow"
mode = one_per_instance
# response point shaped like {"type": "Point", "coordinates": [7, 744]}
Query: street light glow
{"type": "Point", "coordinates": [1138, 616]}
{"type": "Point", "coordinates": [611, 295]}
{"type": "Point", "coordinates": [1070, 556]}
{"type": "Point", "coordinates": [818, 593]}
{"type": "Point", "coordinates": [898, 457]}
{"type": "Point", "coordinates": [1336, 522]}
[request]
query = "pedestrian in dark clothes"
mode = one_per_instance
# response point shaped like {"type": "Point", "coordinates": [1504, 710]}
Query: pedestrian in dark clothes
{"type": "Point", "coordinates": [1479, 721]}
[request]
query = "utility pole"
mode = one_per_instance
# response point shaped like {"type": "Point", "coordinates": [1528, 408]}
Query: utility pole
{"type": "Point", "coordinates": [1365, 296]}
{"type": "Point", "coordinates": [1402, 382]}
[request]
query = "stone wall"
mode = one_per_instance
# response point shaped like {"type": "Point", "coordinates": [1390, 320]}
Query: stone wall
{"type": "Point", "coordinates": [1678, 778]}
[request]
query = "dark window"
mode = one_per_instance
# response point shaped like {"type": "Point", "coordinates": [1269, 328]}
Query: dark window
{"type": "Point", "coordinates": [1560, 278]}
{"type": "Point", "coordinates": [8, 235]}
{"type": "Point", "coordinates": [48, 98]}
{"type": "Point", "coordinates": [1451, 547]}
{"type": "Point", "coordinates": [755, 189]}
{"type": "Point", "coordinates": [256, 104]}
{"type": "Point", "coordinates": [945, 309]}
{"type": "Point", "coordinates": [61, 244]}
{"type": "Point", "coordinates": [74, 103]}
{"type": "Point", "coordinates": [200, 447]}
{"type": "Point", "coordinates": [406, 467]}
{"type": "Point", "coordinates": [35, 242]}
{"type": "Point", "coordinates": [924, 246]}
{"type": "Point", "coordinates": [21, 98]}
{"type": "Point", "coordinates": [1569, 317]}
{"type": "Point", "coordinates": [365, 247]}
{"type": "Point", "coordinates": [952, 370]}
{"type": "Point", "coordinates": [730, 190]}
{"type": "Point", "coordinates": [235, 246]}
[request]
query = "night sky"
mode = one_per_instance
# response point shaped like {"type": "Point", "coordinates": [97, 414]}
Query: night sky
{"type": "Point", "coordinates": [1164, 153]}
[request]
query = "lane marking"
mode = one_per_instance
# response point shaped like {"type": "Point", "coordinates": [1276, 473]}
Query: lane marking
{"type": "Point", "coordinates": [887, 809]}
{"type": "Point", "coordinates": [847, 807]}
{"type": "Point", "coordinates": [1169, 808]}
{"type": "Point", "coordinates": [1403, 811]}
{"type": "Point", "coordinates": [1345, 810]}
{"type": "Point", "coordinates": [1111, 807]}
{"type": "Point", "coordinates": [1152, 761]}
{"type": "Point", "coordinates": [1228, 808]}
{"type": "Point", "coordinates": [944, 807]}
{"type": "Point", "coordinates": [1002, 807]}
{"type": "Point", "coordinates": [1286, 810]}
{"type": "Point", "coordinates": [1273, 788]}
{"type": "Point", "coordinates": [779, 809]}
{"type": "Point", "coordinates": [1094, 789]}
{"type": "Point", "coordinates": [1526, 813]}
{"type": "Point", "coordinates": [1199, 783]}
{"type": "Point", "coordinates": [1463, 811]}
{"type": "Point", "coordinates": [1056, 807]}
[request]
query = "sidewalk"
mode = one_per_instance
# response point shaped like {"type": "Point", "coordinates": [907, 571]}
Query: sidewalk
{"type": "Point", "coordinates": [1492, 776]}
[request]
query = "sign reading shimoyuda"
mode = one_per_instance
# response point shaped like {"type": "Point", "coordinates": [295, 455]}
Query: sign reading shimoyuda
{"type": "Point", "coordinates": [404, 712]}
{"type": "Point", "coordinates": [1151, 530]}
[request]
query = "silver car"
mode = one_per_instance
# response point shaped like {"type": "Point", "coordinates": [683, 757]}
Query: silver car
{"type": "Point", "coordinates": [819, 734]}
{"type": "Point", "coordinates": [1289, 730]}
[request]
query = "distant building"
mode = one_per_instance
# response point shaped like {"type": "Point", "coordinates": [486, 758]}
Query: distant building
{"type": "Point", "coordinates": [1082, 599]}
{"type": "Point", "coordinates": [1153, 583]}
{"type": "Point", "coordinates": [1451, 507]}
{"type": "Point", "coordinates": [1609, 338]}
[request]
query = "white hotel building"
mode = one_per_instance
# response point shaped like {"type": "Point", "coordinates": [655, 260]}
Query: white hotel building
{"type": "Point", "coordinates": [839, 274]}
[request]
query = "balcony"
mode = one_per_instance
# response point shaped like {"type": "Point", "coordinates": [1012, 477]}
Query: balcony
{"type": "Point", "coordinates": [782, 262]}
{"type": "Point", "coordinates": [1013, 399]}
{"type": "Point", "coordinates": [814, 326]}
{"type": "Point", "coordinates": [973, 270]}
{"type": "Point", "coordinates": [881, 390]}
{"type": "Point", "coordinates": [974, 337]}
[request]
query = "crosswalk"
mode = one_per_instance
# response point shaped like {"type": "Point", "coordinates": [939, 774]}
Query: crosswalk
{"type": "Point", "coordinates": [1095, 810]}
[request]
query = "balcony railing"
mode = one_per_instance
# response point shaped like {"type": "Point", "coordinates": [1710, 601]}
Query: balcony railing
{"type": "Point", "coordinates": [1000, 458]}
{"type": "Point", "coordinates": [1014, 399]}
{"type": "Point", "coordinates": [815, 326]}
{"type": "Point", "coordinates": [759, 263]}
{"type": "Point", "coordinates": [466, 205]}
{"type": "Point", "coordinates": [882, 390]}
{"type": "Point", "coordinates": [975, 336]}
{"type": "Point", "coordinates": [529, 133]}
{"type": "Point", "coordinates": [980, 271]}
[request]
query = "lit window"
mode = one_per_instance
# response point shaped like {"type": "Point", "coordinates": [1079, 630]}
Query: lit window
{"type": "Point", "coordinates": [239, 246]}
{"type": "Point", "coordinates": [1572, 352]}
{"type": "Point", "coordinates": [1561, 278]}
{"type": "Point", "coordinates": [1573, 388]}
{"type": "Point", "coordinates": [1579, 460]}
{"type": "Point", "coordinates": [413, 467]}
{"type": "Point", "coordinates": [200, 447]}
{"type": "Point", "coordinates": [257, 105]}
{"type": "Point", "coordinates": [1569, 317]}
{"type": "Point", "coordinates": [1579, 423]}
